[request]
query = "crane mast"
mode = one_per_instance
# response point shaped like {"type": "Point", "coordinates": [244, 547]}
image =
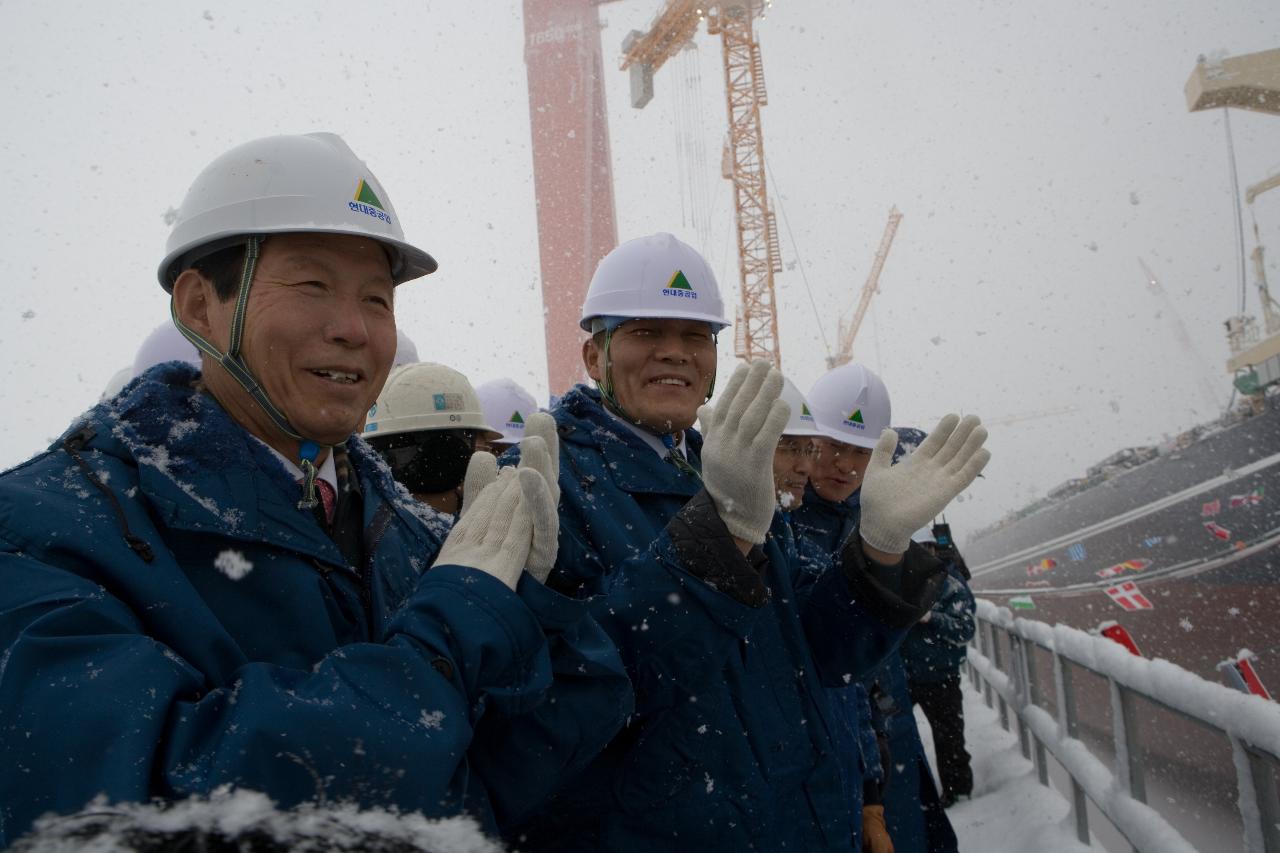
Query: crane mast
{"type": "Point", "coordinates": [759, 254]}
{"type": "Point", "coordinates": [849, 330]}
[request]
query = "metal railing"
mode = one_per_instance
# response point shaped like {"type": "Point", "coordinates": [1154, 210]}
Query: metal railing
{"type": "Point", "coordinates": [1002, 665]}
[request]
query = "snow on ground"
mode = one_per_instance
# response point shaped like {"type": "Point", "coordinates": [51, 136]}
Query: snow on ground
{"type": "Point", "coordinates": [1011, 812]}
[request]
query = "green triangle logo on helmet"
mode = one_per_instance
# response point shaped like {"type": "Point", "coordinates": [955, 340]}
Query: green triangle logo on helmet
{"type": "Point", "coordinates": [516, 419]}
{"type": "Point", "coordinates": [856, 417]}
{"type": "Point", "coordinates": [804, 411]}
{"type": "Point", "coordinates": [679, 282]}
{"type": "Point", "coordinates": [366, 195]}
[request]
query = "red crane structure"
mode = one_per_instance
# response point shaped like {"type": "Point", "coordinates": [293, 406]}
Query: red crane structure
{"type": "Point", "coordinates": [572, 170]}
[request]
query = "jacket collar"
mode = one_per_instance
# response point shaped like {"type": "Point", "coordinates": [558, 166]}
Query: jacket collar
{"type": "Point", "coordinates": [629, 461]}
{"type": "Point", "coordinates": [202, 471]}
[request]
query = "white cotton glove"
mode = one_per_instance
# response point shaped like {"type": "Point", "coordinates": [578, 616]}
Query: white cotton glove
{"type": "Point", "coordinates": [496, 532]}
{"type": "Point", "coordinates": [540, 453]}
{"type": "Point", "coordinates": [899, 499]}
{"type": "Point", "coordinates": [740, 435]}
{"type": "Point", "coordinates": [482, 470]}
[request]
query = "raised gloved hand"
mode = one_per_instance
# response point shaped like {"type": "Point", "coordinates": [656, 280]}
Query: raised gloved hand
{"type": "Point", "coordinates": [875, 835]}
{"type": "Point", "coordinates": [495, 533]}
{"type": "Point", "coordinates": [482, 470]}
{"type": "Point", "coordinates": [740, 435]}
{"type": "Point", "coordinates": [540, 453]}
{"type": "Point", "coordinates": [900, 499]}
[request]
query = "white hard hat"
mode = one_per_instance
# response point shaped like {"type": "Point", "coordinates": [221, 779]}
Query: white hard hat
{"type": "Point", "coordinates": [165, 343]}
{"type": "Point", "coordinates": [280, 184]}
{"type": "Point", "coordinates": [655, 276]}
{"type": "Point", "coordinates": [851, 405]}
{"type": "Point", "coordinates": [801, 421]}
{"type": "Point", "coordinates": [507, 406]}
{"type": "Point", "coordinates": [406, 352]}
{"type": "Point", "coordinates": [118, 380]}
{"type": "Point", "coordinates": [425, 396]}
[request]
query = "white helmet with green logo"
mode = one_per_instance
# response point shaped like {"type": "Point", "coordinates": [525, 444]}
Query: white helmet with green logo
{"type": "Point", "coordinates": [281, 184]}
{"type": "Point", "coordinates": [507, 406]}
{"type": "Point", "coordinates": [851, 405]}
{"type": "Point", "coordinates": [801, 423]}
{"type": "Point", "coordinates": [656, 276]}
{"type": "Point", "coordinates": [311, 183]}
{"type": "Point", "coordinates": [425, 396]}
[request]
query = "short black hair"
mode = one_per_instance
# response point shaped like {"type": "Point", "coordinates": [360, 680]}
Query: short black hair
{"type": "Point", "coordinates": [224, 268]}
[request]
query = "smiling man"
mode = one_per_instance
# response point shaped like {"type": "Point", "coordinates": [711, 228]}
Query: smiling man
{"type": "Point", "coordinates": [679, 548]}
{"type": "Point", "coordinates": [630, 453]}
{"type": "Point", "coordinates": [206, 581]}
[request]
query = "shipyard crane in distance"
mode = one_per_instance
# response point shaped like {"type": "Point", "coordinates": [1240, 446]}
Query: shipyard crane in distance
{"type": "Point", "coordinates": [759, 254]}
{"type": "Point", "coordinates": [849, 329]}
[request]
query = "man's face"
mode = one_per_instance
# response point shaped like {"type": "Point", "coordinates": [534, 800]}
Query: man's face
{"type": "Point", "coordinates": [792, 462]}
{"type": "Point", "coordinates": [661, 370]}
{"type": "Point", "coordinates": [319, 335]}
{"type": "Point", "coordinates": [839, 469]}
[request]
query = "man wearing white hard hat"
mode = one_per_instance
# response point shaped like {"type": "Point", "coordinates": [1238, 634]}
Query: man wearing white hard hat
{"type": "Point", "coordinates": [209, 582]}
{"type": "Point", "coordinates": [425, 425]}
{"type": "Point", "coordinates": [681, 547]}
{"type": "Point", "coordinates": [852, 407]}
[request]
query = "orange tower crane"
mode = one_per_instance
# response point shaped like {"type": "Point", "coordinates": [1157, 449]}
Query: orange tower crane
{"type": "Point", "coordinates": [849, 330]}
{"type": "Point", "coordinates": [759, 257]}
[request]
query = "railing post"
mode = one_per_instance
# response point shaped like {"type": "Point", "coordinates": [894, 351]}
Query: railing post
{"type": "Point", "coordinates": [989, 636]}
{"type": "Point", "coordinates": [1033, 698]}
{"type": "Point", "coordinates": [1128, 748]}
{"type": "Point", "coordinates": [996, 662]}
{"type": "Point", "coordinates": [1069, 726]}
{"type": "Point", "coordinates": [1262, 816]}
{"type": "Point", "coordinates": [1021, 692]}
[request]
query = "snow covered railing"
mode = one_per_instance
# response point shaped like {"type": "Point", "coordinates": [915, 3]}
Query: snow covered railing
{"type": "Point", "coordinates": [1006, 675]}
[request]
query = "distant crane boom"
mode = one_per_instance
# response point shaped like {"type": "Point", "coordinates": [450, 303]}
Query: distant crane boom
{"type": "Point", "coordinates": [849, 331]}
{"type": "Point", "coordinates": [759, 255]}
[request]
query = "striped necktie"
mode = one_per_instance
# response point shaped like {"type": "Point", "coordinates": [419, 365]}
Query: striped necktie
{"type": "Point", "coordinates": [677, 458]}
{"type": "Point", "coordinates": [328, 498]}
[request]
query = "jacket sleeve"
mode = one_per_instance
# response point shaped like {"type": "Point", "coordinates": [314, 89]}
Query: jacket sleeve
{"type": "Point", "coordinates": [857, 611]}
{"type": "Point", "coordinates": [91, 703]}
{"type": "Point", "coordinates": [525, 757]}
{"type": "Point", "coordinates": [680, 609]}
{"type": "Point", "coordinates": [951, 619]}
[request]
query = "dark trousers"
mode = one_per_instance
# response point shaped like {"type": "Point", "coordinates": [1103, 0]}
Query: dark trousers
{"type": "Point", "coordinates": [943, 707]}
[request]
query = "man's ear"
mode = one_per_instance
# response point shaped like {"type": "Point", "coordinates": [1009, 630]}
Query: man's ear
{"type": "Point", "coordinates": [193, 300]}
{"type": "Point", "coordinates": [592, 357]}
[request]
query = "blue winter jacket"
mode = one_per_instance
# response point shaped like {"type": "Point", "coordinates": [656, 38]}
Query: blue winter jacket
{"type": "Point", "coordinates": [913, 814]}
{"type": "Point", "coordinates": [934, 650]}
{"type": "Point", "coordinates": [616, 493]}
{"type": "Point", "coordinates": [171, 621]}
{"type": "Point", "coordinates": [732, 746]}
{"type": "Point", "coordinates": [826, 525]}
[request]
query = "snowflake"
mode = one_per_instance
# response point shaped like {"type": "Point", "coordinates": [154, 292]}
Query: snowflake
{"type": "Point", "coordinates": [232, 564]}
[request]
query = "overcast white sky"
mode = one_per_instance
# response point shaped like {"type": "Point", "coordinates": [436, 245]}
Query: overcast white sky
{"type": "Point", "coordinates": [1036, 150]}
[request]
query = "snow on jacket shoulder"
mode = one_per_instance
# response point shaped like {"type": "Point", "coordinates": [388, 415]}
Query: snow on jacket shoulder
{"type": "Point", "coordinates": [170, 621]}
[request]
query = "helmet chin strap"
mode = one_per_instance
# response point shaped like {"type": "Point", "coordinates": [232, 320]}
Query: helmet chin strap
{"type": "Point", "coordinates": [232, 362]}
